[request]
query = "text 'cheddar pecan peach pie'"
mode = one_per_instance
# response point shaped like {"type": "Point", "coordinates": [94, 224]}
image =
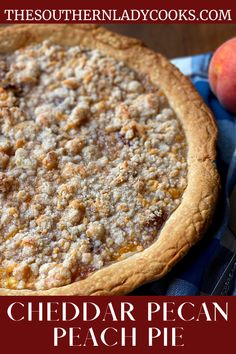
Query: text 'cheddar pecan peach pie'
{"type": "Point", "coordinates": [107, 172]}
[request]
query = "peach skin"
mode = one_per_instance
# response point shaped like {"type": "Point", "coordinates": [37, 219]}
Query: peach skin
{"type": "Point", "coordinates": [222, 74]}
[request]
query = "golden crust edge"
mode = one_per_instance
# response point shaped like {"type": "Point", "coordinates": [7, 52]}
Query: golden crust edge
{"type": "Point", "coordinates": [192, 218]}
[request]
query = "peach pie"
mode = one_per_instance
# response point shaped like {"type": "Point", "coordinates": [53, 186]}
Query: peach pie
{"type": "Point", "coordinates": [107, 172]}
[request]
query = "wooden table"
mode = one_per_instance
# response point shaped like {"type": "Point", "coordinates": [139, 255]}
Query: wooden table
{"type": "Point", "coordinates": [179, 39]}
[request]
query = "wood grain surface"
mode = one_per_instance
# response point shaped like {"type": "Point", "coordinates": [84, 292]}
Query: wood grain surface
{"type": "Point", "coordinates": [179, 39]}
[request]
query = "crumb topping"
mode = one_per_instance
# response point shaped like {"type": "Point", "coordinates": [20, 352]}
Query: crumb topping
{"type": "Point", "coordinates": [92, 163]}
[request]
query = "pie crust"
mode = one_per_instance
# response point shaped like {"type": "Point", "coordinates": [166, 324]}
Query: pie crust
{"type": "Point", "coordinates": [187, 224]}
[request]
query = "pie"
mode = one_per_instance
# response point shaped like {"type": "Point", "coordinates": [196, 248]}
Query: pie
{"type": "Point", "coordinates": [107, 162]}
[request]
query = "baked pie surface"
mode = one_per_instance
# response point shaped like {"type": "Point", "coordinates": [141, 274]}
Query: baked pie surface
{"type": "Point", "coordinates": [107, 155]}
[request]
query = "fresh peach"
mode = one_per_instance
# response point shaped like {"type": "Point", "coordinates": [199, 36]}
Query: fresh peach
{"type": "Point", "coordinates": [222, 74]}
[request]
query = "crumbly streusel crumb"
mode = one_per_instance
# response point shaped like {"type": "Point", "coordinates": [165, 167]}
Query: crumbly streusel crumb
{"type": "Point", "coordinates": [92, 163]}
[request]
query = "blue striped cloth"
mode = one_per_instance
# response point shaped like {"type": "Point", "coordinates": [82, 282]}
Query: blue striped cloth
{"type": "Point", "coordinates": [210, 266]}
